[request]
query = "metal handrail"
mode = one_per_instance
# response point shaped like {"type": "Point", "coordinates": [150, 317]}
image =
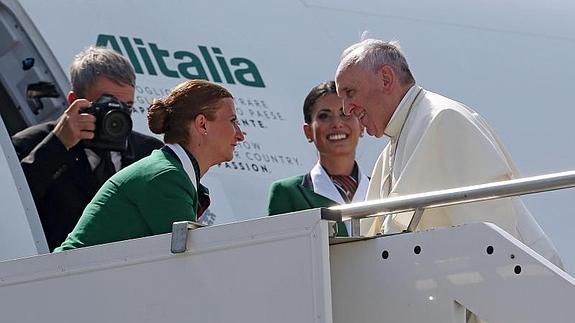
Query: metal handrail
{"type": "Point", "coordinates": [461, 195]}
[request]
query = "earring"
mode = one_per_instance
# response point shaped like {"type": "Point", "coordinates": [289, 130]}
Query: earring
{"type": "Point", "coordinates": [205, 133]}
{"type": "Point", "coordinates": [310, 140]}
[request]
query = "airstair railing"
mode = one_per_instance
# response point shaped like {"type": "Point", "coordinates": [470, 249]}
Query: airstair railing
{"type": "Point", "coordinates": [420, 202]}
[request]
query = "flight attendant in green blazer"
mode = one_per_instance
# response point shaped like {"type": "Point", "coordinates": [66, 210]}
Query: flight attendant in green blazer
{"type": "Point", "coordinates": [198, 120]}
{"type": "Point", "coordinates": [336, 177]}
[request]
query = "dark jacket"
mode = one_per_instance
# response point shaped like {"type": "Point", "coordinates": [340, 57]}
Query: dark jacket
{"type": "Point", "coordinates": [61, 181]}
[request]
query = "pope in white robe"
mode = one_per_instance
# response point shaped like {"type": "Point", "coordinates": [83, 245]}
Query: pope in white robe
{"type": "Point", "coordinates": [437, 143]}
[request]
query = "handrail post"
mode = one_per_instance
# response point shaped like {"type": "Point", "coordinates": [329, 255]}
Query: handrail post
{"type": "Point", "coordinates": [415, 219]}
{"type": "Point", "coordinates": [355, 227]}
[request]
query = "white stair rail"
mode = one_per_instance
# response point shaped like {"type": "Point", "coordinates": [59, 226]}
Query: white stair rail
{"type": "Point", "coordinates": [460, 195]}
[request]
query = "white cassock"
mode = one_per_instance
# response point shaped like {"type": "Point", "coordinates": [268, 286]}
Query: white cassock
{"type": "Point", "coordinates": [437, 143]}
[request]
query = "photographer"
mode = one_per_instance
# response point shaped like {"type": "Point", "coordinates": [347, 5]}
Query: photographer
{"type": "Point", "coordinates": [63, 167]}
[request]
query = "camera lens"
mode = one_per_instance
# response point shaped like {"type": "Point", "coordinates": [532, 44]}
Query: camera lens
{"type": "Point", "coordinates": [116, 125]}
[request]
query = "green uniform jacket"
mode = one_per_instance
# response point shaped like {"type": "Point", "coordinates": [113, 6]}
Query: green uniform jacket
{"type": "Point", "coordinates": [142, 199]}
{"type": "Point", "coordinates": [295, 194]}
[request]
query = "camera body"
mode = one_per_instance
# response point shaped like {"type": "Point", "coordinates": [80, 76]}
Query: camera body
{"type": "Point", "coordinates": [113, 124]}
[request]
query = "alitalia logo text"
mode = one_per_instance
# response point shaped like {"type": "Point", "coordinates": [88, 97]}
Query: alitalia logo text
{"type": "Point", "coordinates": [209, 64]}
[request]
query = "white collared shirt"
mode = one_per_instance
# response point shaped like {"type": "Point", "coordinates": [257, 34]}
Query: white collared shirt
{"type": "Point", "coordinates": [186, 162]}
{"type": "Point", "coordinates": [323, 185]}
{"type": "Point", "coordinates": [94, 159]}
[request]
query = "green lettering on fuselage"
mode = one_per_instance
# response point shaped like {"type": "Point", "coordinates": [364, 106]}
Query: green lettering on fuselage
{"type": "Point", "coordinates": [146, 56]}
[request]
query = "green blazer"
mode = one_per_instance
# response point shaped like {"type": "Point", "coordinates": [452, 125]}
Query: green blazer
{"type": "Point", "coordinates": [142, 199]}
{"type": "Point", "coordinates": [296, 194]}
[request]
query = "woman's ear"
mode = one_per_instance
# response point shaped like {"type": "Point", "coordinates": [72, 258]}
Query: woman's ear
{"type": "Point", "coordinates": [308, 132]}
{"type": "Point", "coordinates": [200, 124]}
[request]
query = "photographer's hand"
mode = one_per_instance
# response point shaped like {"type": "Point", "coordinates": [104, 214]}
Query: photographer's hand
{"type": "Point", "coordinates": [74, 126]}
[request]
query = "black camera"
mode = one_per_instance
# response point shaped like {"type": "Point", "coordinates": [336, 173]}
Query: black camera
{"type": "Point", "coordinates": [113, 124]}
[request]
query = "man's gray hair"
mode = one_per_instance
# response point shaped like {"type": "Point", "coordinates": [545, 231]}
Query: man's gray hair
{"type": "Point", "coordinates": [372, 54]}
{"type": "Point", "coordinates": [99, 61]}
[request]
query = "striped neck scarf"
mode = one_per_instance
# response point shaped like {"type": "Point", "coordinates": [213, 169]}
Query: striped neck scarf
{"type": "Point", "coordinates": [346, 184]}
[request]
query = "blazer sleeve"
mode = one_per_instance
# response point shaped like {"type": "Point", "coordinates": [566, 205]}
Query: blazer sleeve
{"type": "Point", "coordinates": [42, 157]}
{"type": "Point", "coordinates": [280, 199]}
{"type": "Point", "coordinates": [169, 197]}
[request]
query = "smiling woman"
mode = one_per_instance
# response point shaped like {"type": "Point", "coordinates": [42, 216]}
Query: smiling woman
{"type": "Point", "coordinates": [200, 128]}
{"type": "Point", "coordinates": [336, 177]}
